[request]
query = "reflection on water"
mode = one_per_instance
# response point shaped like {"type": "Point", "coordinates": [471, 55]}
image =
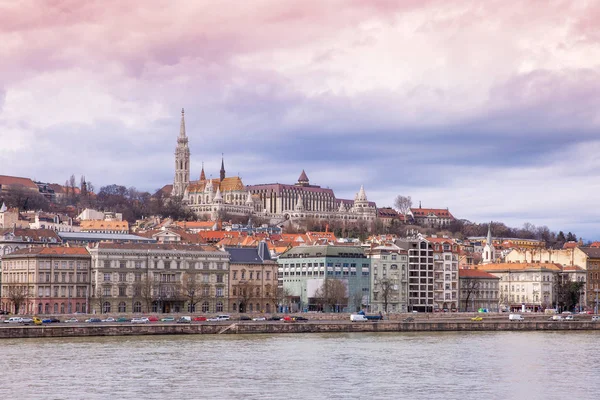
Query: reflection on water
{"type": "Point", "coordinates": [477, 365]}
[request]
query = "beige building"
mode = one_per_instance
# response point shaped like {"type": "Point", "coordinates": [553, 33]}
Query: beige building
{"type": "Point", "coordinates": [478, 289]}
{"type": "Point", "coordinates": [528, 285]}
{"type": "Point", "coordinates": [565, 257]}
{"type": "Point", "coordinates": [389, 278]}
{"type": "Point", "coordinates": [158, 278]}
{"type": "Point", "coordinates": [252, 279]}
{"type": "Point", "coordinates": [46, 280]}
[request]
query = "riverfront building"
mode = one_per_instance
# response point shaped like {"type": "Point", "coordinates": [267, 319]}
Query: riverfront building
{"type": "Point", "coordinates": [303, 270]}
{"type": "Point", "coordinates": [389, 279]}
{"type": "Point", "coordinates": [252, 279]}
{"type": "Point", "coordinates": [46, 280]}
{"type": "Point", "coordinates": [478, 289]}
{"type": "Point", "coordinates": [150, 277]}
{"type": "Point", "coordinates": [420, 273]}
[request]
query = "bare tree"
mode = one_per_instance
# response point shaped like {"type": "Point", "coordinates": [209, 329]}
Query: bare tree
{"type": "Point", "coordinates": [191, 289]}
{"type": "Point", "coordinates": [403, 204]}
{"type": "Point", "coordinates": [385, 287]}
{"type": "Point", "coordinates": [244, 293]}
{"type": "Point", "coordinates": [469, 287]}
{"type": "Point", "coordinates": [283, 297]}
{"type": "Point", "coordinates": [147, 290]}
{"type": "Point", "coordinates": [99, 298]}
{"type": "Point", "coordinates": [17, 294]}
{"type": "Point", "coordinates": [356, 299]}
{"type": "Point", "coordinates": [332, 294]}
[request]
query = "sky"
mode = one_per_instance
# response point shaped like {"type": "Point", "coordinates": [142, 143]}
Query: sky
{"type": "Point", "coordinates": [491, 109]}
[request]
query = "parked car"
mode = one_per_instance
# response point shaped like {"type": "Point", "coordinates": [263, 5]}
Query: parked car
{"type": "Point", "coordinates": [123, 319]}
{"type": "Point", "coordinates": [142, 320]}
{"type": "Point", "coordinates": [219, 318]}
{"type": "Point", "coordinates": [13, 320]}
{"type": "Point", "coordinates": [274, 318]}
{"type": "Point", "coordinates": [152, 319]}
{"type": "Point", "coordinates": [259, 319]}
{"type": "Point", "coordinates": [93, 320]}
{"type": "Point", "coordinates": [51, 320]}
{"type": "Point", "coordinates": [37, 320]}
{"type": "Point", "coordinates": [184, 320]}
{"type": "Point", "coordinates": [200, 319]}
{"type": "Point", "coordinates": [109, 319]}
{"type": "Point", "coordinates": [70, 320]}
{"type": "Point", "coordinates": [476, 319]}
{"type": "Point", "coordinates": [245, 318]}
{"type": "Point", "coordinates": [167, 319]}
{"type": "Point", "coordinates": [27, 320]}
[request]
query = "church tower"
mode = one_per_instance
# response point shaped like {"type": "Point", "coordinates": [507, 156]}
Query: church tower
{"type": "Point", "coordinates": [222, 172]}
{"type": "Point", "coordinates": [489, 252]}
{"type": "Point", "coordinates": [182, 161]}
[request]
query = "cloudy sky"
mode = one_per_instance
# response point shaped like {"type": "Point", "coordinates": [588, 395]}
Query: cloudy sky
{"type": "Point", "coordinates": [489, 108]}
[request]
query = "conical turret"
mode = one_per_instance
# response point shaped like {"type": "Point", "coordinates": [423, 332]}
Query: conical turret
{"type": "Point", "coordinates": [299, 203]}
{"type": "Point", "coordinates": [249, 199]}
{"type": "Point", "coordinates": [3, 208]}
{"type": "Point", "coordinates": [218, 198]}
{"type": "Point", "coordinates": [202, 175]}
{"type": "Point", "coordinates": [361, 195]}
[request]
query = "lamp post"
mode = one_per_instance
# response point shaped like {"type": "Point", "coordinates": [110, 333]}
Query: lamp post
{"type": "Point", "coordinates": [596, 309]}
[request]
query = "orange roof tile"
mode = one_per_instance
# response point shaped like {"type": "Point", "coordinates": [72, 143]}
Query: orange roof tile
{"type": "Point", "coordinates": [475, 273]}
{"type": "Point", "coordinates": [6, 180]}
{"type": "Point", "coordinates": [104, 225]}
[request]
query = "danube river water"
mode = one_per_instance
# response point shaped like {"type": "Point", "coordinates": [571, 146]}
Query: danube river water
{"type": "Point", "coordinates": [475, 365]}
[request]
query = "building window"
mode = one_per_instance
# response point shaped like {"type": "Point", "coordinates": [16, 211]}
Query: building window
{"type": "Point", "coordinates": [106, 307]}
{"type": "Point", "coordinates": [205, 307]}
{"type": "Point", "coordinates": [106, 277]}
{"type": "Point", "coordinates": [137, 307]}
{"type": "Point", "coordinates": [219, 306]}
{"type": "Point", "coordinates": [138, 264]}
{"type": "Point", "coordinates": [268, 275]}
{"type": "Point", "coordinates": [219, 292]}
{"type": "Point", "coordinates": [122, 291]}
{"type": "Point", "coordinates": [235, 275]}
{"type": "Point", "coordinates": [106, 292]}
{"type": "Point", "coordinates": [220, 278]}
{"type": "Point", "coordinates": [122, 277]}
{"type": "Point", "coordinates": [106, 263]}
{"type": "Point", "coordinates": [122, 307]}
{"type": "Point", "coordinates": [122, 264]}
{"type": "Point", "coordinates": [205, 278]}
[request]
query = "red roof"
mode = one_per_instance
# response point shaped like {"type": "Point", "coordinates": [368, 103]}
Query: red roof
{"type": "Point", "coordinates": [17, 181]}
{"type": "Point", "coordinates": [424, 212]}
{"type": "Point", "coordinates": [475, 273]}
{"type": "Point", "coordinates": [46, 251]}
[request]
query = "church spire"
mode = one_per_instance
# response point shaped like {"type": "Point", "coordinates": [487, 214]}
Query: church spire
{"type": "Point", "coordinates": [489, 235]}
{"type": "Point", "coordinates": [182, 126]}
{"type": "Point", "coordinates": [202, 175]}
{"type": "Point", "coordinates": [222, 167]}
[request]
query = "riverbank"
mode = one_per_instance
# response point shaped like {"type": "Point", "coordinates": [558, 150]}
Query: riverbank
{"type": "Point", "coordinates": [279, 327]}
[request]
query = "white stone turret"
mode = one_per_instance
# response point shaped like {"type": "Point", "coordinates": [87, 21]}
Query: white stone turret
{"type": "Point", "coordinates": [182, 161]}
{"type": "Point", "coordinates": [3, 208]}
{"type": "Point", "coordinates": [249, 200]}
{"type": "Point", "coordinates": [489, 252]}
{"type": "Point", "coordinates": [218, 198]}
{"type": "Point", "coordinates": [361, 196]}
{"type": "Point", "coordinates": [299, 204]}
{"type": "Point", "coordinates": [342, 208]}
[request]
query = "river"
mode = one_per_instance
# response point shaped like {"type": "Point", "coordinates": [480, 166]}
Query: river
{"type": "Point", "coordinates": [474, 365]}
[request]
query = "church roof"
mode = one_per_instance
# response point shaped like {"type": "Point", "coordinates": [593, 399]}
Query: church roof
{"type": "Point", "coordinates": [438, 212]}
{"type": "Point", "coordinates": [229, 184]}
{"type": "Point", "coordinates": [17, 181]}
{"type": "Point", "coordinates": [303, 177]}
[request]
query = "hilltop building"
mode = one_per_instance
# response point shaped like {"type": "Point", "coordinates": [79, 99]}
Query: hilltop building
{"type": "Point", "coordinates": [276, 202]}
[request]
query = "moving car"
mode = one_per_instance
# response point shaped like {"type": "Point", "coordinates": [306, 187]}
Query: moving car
{"type": "Point", "coordinates": [50, 320]}
{"type": "Point", "coordinates": [37, 320]}
{"type": "Point", "coordinates": [93, 320]}
{"type": "Point", "coordinates": [72, 320]}
{"type": "Point", "coordinates": [14, 320]}
{"type": "Point", "coordinates": [259, 319]}
{"type": "Point", "coordinates": [555, 318]}
{"type": "Point", "coordinates": [142, 320]}
{"type": "Point", "coordinates": [274, 318]}
{"type": "Point", "coordinates": [220, 318]}
{"type": "Point", "coordinates": [245, 318]}
{"type": "Point", "coordinates": [476, 319]}
{"type": "Point", "coordinates": [167, 319]}
{"type": "Point", "coordinates": [200, 319]}
{"type": "Point", "coordinates": [516, 317]}
{"type": "Point", "coordinates": [358, 318]}
{"type": "Point", "coordinates": [109, 319]}
{"type": "Point", "coordinates": [152, 319]}
{"type": "Point", "coordinates": [184, 320]}
{"type": "Point", "coordinates": [123, 319]}
{"type": "Point", "coordinates": [569, 318]}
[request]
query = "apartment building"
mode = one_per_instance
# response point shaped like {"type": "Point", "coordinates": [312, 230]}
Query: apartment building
{"type": "Point", "coordinates": [389, 278]}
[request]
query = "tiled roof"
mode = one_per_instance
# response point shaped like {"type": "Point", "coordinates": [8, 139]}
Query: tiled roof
{"type": "Point", "coordinates": [48, 251]}
{"type": "Point", "coordinates": [247, 255]}
{"type": "Point", "coordinates": [17, 181]}
{"type": "Point", "coordinates": [280, 187]}
{"type": "Point", "coordinates": [167, 189]}
{"type": "Point", "coordinates": [592, 252]}
{"type": "Point", "coordinates": [195, 224]}
{"type": "Point", "coordinates": [519, 267]}
{"type": "Point", "coordinates": [475, 273]}
{"type": "Point", "coordinates": [595, 244]}
{"type": "Point", "coordinates": [36, 235]}
{"type": "Point", "coordinates": [104, 225]}
{"type": "Point", "coordinates": [155, 246]}
{"type": "Point", "coordinates": [324, 251]}
{"type": "Point", "coordinates": [230, 184]}
{"type": "Point", "coordinates": [424, 212]}
{"type": "Point", "coordinates": [387, 212]}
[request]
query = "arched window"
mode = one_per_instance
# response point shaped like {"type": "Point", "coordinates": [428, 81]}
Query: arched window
{"type": "Point", "coordinates": [137, 307]}
{"type": "Point", "coordinates": [40, 308]}
{"type": "Point", "coordinates": [122, 307]}
{"type": "Point", "coordinates": [250, 307]}
{"type": "Point", "coordinates": [62, 308]}
{"type": "Point", "coordinates": [267, 308]}
{"type": "Point", "coordinates": [234, 307]}
{"type": "Point", "coordinates": [77, 307]}
{"type": "Point", "coordinates": [205, 306]}
{"type": "Point", "coordinates": [47, 308]}
{"type": "Point", "coordinates": [55, 308]}
{"type": "Point", "coordinates": [219, 306]}
{"type": "Point", "coordinates": [106, 307]}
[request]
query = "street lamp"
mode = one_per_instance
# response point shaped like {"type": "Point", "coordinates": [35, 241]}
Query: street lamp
{"type": "Point", "coordinates": [596, 308]}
